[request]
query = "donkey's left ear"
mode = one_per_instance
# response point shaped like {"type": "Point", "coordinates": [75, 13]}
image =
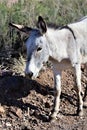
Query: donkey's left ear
{"type": "Point", "coordinates": [21, 28]}
{"type": "Point", "coordinates": [41, 25]}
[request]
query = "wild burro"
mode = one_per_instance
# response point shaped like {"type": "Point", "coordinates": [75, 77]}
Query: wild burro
{"type": "Point", "coordinates": [66, 47]}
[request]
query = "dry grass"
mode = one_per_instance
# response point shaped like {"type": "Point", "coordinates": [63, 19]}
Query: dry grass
{"type": "Point", "coordinates": [4, 68]}
{"type": "Point", "coordinates": [19, 66]}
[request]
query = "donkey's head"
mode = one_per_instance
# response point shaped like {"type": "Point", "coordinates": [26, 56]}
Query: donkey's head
{"type": "Point", "coordinates": [37, 47]}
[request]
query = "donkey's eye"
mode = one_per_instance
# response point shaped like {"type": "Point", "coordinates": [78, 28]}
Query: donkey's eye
{"type": "Point", "coordinates": [39, 49]}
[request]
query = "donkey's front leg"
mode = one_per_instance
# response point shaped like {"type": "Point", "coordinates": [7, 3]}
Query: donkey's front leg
{"type": "Point", "coordinates": [57, 87]}
{"type": "Point", "coordinates": [79, 89]}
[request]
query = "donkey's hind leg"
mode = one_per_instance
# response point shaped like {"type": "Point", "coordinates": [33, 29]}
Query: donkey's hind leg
{"type": "Point", "coordinates": [79, 89]}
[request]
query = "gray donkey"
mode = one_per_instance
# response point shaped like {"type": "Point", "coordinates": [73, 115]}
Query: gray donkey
{"type": "Point", "coordinates": [65, 47]}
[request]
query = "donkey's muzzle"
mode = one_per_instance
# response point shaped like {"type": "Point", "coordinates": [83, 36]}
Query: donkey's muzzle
{"type": "Point", "coordinates": [29, 75]}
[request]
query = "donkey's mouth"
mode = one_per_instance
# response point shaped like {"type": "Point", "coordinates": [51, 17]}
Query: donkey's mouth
{"type": "Point", "coordinates": [31, 77]}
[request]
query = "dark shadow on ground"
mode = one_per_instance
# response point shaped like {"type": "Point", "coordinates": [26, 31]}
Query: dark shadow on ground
{"type": "Point", "coordinates": [16, 87]}
{"type": "Point", "coordinates": [13, 88]}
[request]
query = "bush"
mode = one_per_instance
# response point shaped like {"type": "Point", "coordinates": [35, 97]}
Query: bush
{"type": "Point", "coordinates": [26, 12]}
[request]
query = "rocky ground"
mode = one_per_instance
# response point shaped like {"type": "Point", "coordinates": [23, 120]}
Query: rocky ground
{"type": "Point", "coordinates": [27, 104]}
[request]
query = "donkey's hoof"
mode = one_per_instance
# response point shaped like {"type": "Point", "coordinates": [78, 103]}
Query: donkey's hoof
{"type": "Point", "coordinates": [85, 104]}
{"type": "Point", "coordinates": [80, 113]}
{"type": "Point", "coordinates": [53, 119]}
{"type": "Point", "coordinates": [54, 115]}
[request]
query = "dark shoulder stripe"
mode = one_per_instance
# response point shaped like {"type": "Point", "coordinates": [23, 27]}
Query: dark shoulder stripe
{"type": "Point", "coordinates": [67, 27]}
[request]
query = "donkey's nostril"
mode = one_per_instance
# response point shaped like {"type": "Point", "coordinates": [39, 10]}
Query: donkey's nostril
{"type": "Point", "coordinates": [30, 74]}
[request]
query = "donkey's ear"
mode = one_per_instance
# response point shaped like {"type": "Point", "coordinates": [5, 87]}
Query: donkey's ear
{"type": "Point", "coordinates": [21, 27]}
{"type": "Point", "coordinates": [41, 25]}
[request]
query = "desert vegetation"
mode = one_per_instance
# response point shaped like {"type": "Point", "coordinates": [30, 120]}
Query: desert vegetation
{"type": "Point", "coordinates": [26, 12]}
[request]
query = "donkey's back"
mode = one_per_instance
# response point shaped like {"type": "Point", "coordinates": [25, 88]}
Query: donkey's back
{"type": "Point", "coordinates": [80, 27]}
{"type": "Point", "coordinates": [80, 30]}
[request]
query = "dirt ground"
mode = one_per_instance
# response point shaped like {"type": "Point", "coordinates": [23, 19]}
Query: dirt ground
{"type": "Point", "coordinates": [27, 104]}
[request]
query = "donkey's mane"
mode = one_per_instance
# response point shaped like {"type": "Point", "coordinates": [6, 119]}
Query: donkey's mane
{"type": "Point", "coordinates": [53, 25]}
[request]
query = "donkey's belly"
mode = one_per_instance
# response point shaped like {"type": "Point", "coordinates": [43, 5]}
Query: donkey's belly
{"type": "Point", "coordinates": [63, 65]}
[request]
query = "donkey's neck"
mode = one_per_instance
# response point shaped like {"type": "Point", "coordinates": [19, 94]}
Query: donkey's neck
{"type": "Point", "coordinates": [57, 40]}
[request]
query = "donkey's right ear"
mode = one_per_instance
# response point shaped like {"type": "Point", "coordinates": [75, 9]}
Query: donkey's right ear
{"type": "Point", "coordinates": [41, 24]}
{"type": "Point", "coordinates": [21, 28]}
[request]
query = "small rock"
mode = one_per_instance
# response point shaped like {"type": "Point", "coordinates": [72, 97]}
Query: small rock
{"type": "Point", "coordinates": [34, 121]}
{"type": "Point", "coordinates": [47, 105]}
{"type": "Point", "coordinates": [2, 110]}
{"type": "Point", "coordinates": [8, 124]}
{"type": "Point", "coordinates": [19, 113]}
{"type": "Point", "coordinates": [32, 112]}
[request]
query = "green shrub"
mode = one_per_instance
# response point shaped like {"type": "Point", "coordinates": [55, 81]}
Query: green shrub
{"type": "Point", "coordinates": [26, 12]}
